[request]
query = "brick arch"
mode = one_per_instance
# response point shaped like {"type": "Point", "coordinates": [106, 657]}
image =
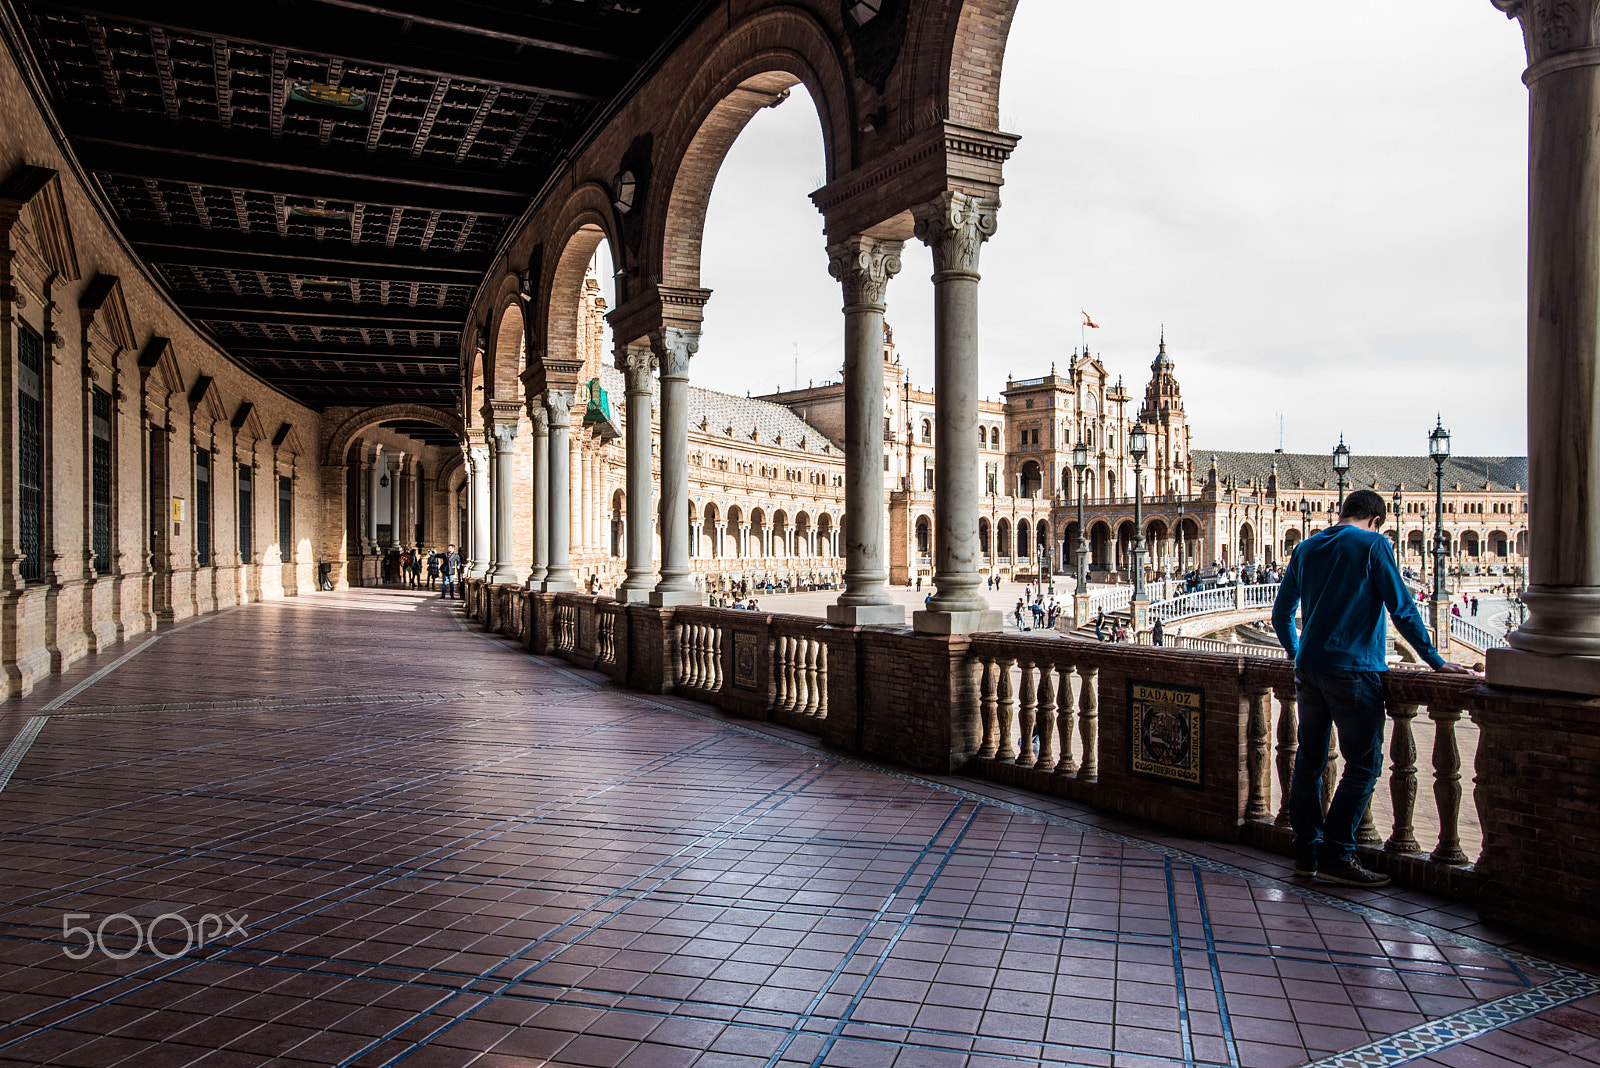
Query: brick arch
{"type": "Point", "coordinates": [340, 441]}
{"type": "Point", "coordinates": [954, 57]}
{"type": "Point", "coordinates": [743, 74]}
{"type": "Point", "coordinates": [507, 335]}
{"type": "Point", "coordinates": [566, 294]}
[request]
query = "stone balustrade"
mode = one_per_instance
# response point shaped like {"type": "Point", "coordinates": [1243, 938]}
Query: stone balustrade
{"type": "Point", "coordinates": [1198, 739]}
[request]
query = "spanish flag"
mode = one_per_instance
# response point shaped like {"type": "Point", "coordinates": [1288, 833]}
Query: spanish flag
{"type": "Point", "coordinates": [1088, 321]}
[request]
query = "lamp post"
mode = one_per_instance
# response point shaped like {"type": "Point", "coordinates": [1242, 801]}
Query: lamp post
{"type": "Point", "coordinates": [1439, 450]}
{"type": "Point", "coordinates": [1305, 519]}
{"type": "Point", "coordinates": [1399, 528]}
{"type": "Point", "coordinates": [1341, 464]}
{"type": "Point", "coordinates": [1080, 463]}
{"type": "Point", "coordinates": [1181, 544]}
{"type": "Point", "coordinates": [1136, 449]}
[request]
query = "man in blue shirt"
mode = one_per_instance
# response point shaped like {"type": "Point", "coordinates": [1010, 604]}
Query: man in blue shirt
{"type": "Point", "coordinates": [1345, 579]}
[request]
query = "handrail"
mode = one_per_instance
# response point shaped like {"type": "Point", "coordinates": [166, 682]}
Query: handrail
{"type": "Point", "coordinates": [1474, 635]}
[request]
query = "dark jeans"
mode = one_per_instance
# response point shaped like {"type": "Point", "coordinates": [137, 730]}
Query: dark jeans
{"type": "Point", "coordinates": [1352, 701]}
{"type": "Point", "coordinates": [448, 587]}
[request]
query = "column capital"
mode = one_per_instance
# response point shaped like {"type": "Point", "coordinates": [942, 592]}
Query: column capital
{"type": "Point", "coordinates": [955, 226]}
{"type": "Point", "coordinates": [558, 403]}
{"type": "Point", "coordinates": [1562, 33]}
{"type": "Point", "coordinates": [539, 416]}
{"type": "Point", "coordinates": [637, 364]}
{"type": "Point", "coordinates": [864, 265]}
{"type": "Point", "coordinates": [674, 346]}
{"type": "Point", "coordinates": [501, 435]}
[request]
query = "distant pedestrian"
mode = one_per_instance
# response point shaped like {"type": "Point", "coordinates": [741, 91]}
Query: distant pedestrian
{"type": "Point", "coordinates": [1157, 633]}
{"type": "Point", "coordinates": [1099, 626]}
{"type": "Point", "coordinates": [1474, 606]}
{"type": "Point", "coordinates": [433, 569]}
{"type": "Point", "coordinates": [449, 573]}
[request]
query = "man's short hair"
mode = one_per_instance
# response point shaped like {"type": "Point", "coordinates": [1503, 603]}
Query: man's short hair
{"type": "Point", "coordinates": [1364, 504]}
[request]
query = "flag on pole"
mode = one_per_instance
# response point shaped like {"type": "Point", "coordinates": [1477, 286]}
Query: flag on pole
{"type": "Point", "coordinates": [1088, 321]}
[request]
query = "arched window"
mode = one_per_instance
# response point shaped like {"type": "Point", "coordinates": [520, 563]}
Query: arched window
{"type": "Point", "coordinates": [927, 430]}
{"type": "Point", "coordinates": [983, 437]}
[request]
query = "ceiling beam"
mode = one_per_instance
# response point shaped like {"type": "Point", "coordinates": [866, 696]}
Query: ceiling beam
{"type": "Point", "coordinates": [358, 381]}
{"type": "Point", "coordinates": [360, 38]}
{"type": "Point", "coordinates": [515, 28]}
{"type": "Point", "coordinates": [329, 181]}
{"type": "Point", "coordinates": [443, 357]}
{"type": "Point", "coordinates": [358, 267]}
{"type": "Point", "coordinates": [314, 311]}
{"type": "Point", "coordinates": [257, 250]}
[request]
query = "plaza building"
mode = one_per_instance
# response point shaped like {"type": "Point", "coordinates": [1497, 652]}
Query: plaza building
{"type": "Point", "coordinates": [287, 288]}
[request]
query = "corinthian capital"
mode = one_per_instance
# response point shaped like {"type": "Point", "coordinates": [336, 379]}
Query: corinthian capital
{"type": "Point", "coordinates": [1552, 28]}
{"type": "Point", "coordinates": [637, 363]}
{"type": "Point", "coordinates": [501, 435]}
{"type": "Point", "coordinates": [538, 417]}
{"type": "Point", "coordinates": [955, 226]}
{"type": "Point", "coordinates": [674, 346]}
{"type": "Point", "coordinates": [558, 402]}
{"type": "Point", "coordinates": [864, 266]}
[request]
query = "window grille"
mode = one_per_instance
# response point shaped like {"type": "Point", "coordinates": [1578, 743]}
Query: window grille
{"type": "Point", "coordinates": [202, 507]}
{"type": "Point", "coordinates": [100, 481]}
{"type": "Point", "coordinates": [30, 451]}
{"type": "Point", "coordinates": [285, 518]}
{"type": "Point", "coordinates": [246, 513]}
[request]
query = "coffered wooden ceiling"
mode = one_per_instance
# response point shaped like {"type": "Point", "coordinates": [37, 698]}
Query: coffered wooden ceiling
{"type": "Point", "coordinates": [321, 183]}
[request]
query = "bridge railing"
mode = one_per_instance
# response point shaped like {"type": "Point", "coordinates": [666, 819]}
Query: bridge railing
{"type": "Point", "coordinates": [1474, 635]}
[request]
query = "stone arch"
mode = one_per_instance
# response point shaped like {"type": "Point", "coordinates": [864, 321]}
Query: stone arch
{"type": "Point", "coordinates": [341, 439]}
{"type": "Point", "coordinates": [955, 58]}
{"type": "Point", "coordinates": [1032, 479]}
{"type": "Point", "coordinates": [743, 74]}
{"type": "Point", "coordinates": [924, 537]}
{"type": "Point", "coordinates": [983, 535]}
{"type": "Point", "coordinates": [1002, 538]}
{"type": "Point", "coordinates": [585, 220]}
{"type": "Point", "coordinates": [1099, 543]}
{"type": "Point", "coordinates": [507, 337]}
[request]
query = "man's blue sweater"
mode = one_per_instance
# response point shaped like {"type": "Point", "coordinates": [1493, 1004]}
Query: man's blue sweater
{"type": "Point", "coordinates": [1346, 577]}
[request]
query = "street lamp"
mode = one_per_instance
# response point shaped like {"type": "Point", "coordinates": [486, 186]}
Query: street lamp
{"type": "Point", "coordinates": [1080, 463]}
{"type": "Point", "coordinates": [1399, 528]}
{"type": "Point", "coordinates": [1136, 449]}
{"type": "Point", "coordinates": [1439, 449]}
{"type": "Point", "coordinates": [1182, 543]}
{"type": "Point", "coordinates": [1305, 519]}
{"type": "Point", "coordinates": [1341, 464]}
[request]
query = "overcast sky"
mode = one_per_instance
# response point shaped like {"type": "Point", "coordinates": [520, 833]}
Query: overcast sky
{"type": "Point", "coordinates": [1324, 203]}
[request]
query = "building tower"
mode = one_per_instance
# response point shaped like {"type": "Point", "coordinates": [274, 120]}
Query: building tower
{"type": "Point", "coordinates": [1168, 426]}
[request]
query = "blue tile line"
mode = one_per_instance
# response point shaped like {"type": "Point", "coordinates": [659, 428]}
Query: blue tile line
{"type": "Point", "coordinates": [1216, 972]}
{"type": "Point", "coordinates": [805, 1015]}
{"type": "Point", "coordinates": [774, 798]}
{"type": "Point", "coordinates": [211, 788]}
{"type": "Point", "coordinates": [1367, 912]}
{"type": "Point", "coordinates": [1462, 1026]}
{"type": "Point", "coordinates": [1180, 986]}
{"type": "Point", "coordinates": [844, 1018]}
{"type": "Point", "coordinates": [347, 892]}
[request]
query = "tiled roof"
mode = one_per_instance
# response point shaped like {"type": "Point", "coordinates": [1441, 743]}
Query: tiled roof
{"type": "Point", "coordinates": [722, 410]}
{"type": "Point", "coordinates": [1502, 473]}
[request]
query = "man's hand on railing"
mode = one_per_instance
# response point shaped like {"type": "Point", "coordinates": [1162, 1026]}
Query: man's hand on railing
{"type": "Point", "coordinates": [1447, 668]}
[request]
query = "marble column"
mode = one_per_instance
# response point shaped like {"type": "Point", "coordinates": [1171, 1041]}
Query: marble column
{"type": "Point", "coordinates": [374, 470]}
{"type": "Point", "coordinates": [501, 469]}
{"type": "Point", "coordinates": [558, 404]}
{"type": "Point", "coordinates": [396, 465]}
{"type": "Point", "coordinates": [1558, 647]}
{"type": "Point", "coordinates": [478, 520]}
{"type": "Point", "coordinates": [863, 266]}
{"type": "Point", "coordinates": [540, 479]}
{"type": "Point", "coordinates": [954, 226]}
{"type": "Point", "coordinates": [637, 364]}
{"type": "Point", "coordinates": [674, 346]}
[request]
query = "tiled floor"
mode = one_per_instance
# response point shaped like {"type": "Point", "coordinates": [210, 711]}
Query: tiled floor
{"type": "Point", "coordinates": [404, 842]}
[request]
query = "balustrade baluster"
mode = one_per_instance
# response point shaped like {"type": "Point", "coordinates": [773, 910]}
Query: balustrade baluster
{"type": "Point", "coordinates": [785, 674]}
{"type": "Point", "coordinates": [811, 676]}
{"type": "Point", "coordinates": [1066, 721]}
{"type": "Point", "coordinates": [694, 655]}
{"type": "Point", "coordinates": [1447, 784]}
{"type": "Point", "coordinates": [1367, 829]}
{"type": "Point", "coordinates": [1007, 710]}
{"type": "Point", "coordinates": [1288, 746]}
{"type": "Point", "coordinates": [822, 679]}
{"type": "Point", "coordinates": [1089, 723]}
{"type": "Point", "coordinates": [700, 656]}
{"type": "Point", "coordinates": [988, 705]}
{"type": "Point", "coordinates": [716, 659]}
{"type": "Point", "coordinates": [1403, 781]}
{"type": "Point", "coordinates": [1047, 758]}
{"type": "Point", "coordinates": [1027, 711]}
{"type": "Point", "coordinates": [1259, 729]}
